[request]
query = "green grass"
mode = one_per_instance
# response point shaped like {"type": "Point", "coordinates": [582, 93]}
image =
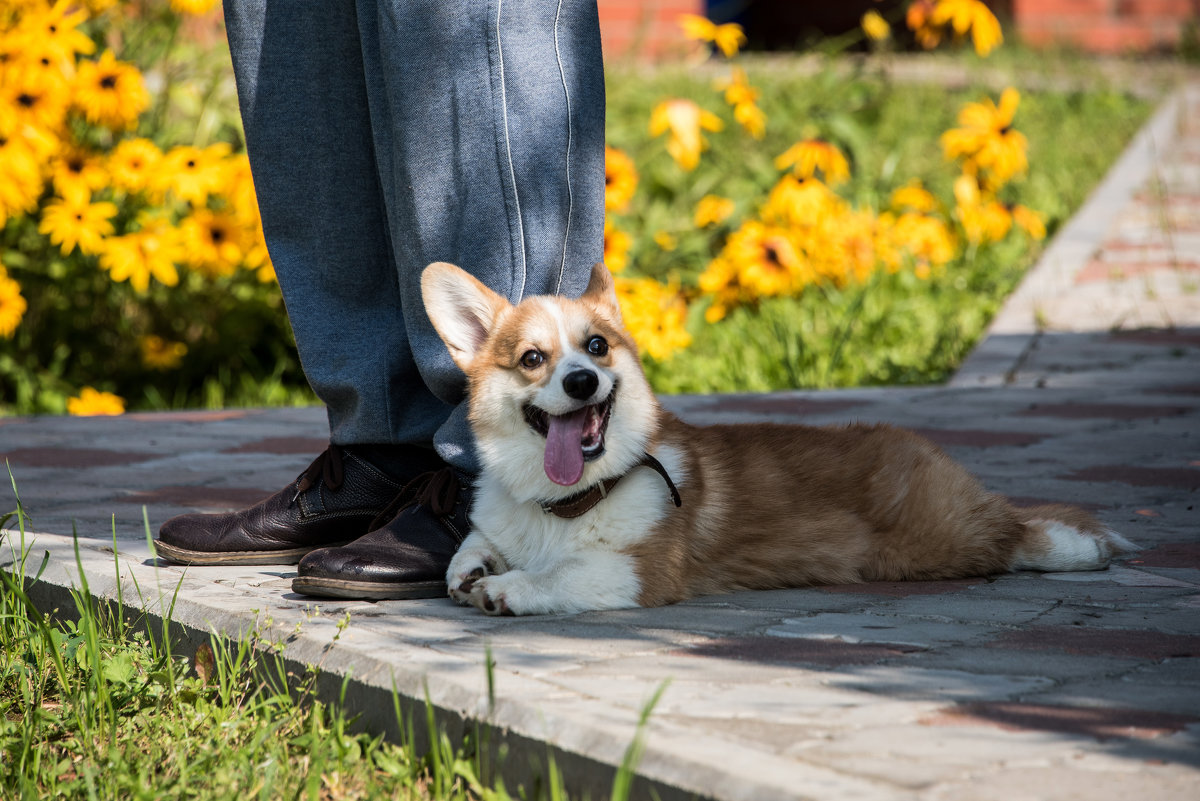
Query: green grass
{"type": "Point", "coordinates": [95, 705]}
{"type": "Point", "coordinates": [895, 329]}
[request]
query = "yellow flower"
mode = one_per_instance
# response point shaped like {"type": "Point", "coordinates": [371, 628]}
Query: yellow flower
{"type": "Point", "coordinates": [133, 163]}
{"type": "Point", "coordinates": [616, 247]}
{"type": "Point", "coordinates": [20, 176]}
{"type": "Point", "coordinates": [161, 354]}
{"type": "Point", "coordinates": [682, 121]}
{"type": "Point", "coordinates": [767, 259]}
{"type": "Point", "coordinates": [212, 241]}
{"type": "Point", "coordinates": [259, 260]}
{"type": "Point", "coordinates": [913, 197]}
{"type": "Point", "coordinates": [91, 403]}
{"type": "Point", "coordinates": [925, 241]}
{"type": "Point", "coordinates": [807, 157]}
{"type": "Point", "coordinates": [986, 139]}
{"type": "Point", "coordinates": [239, 190]}
{"type": "Point", "coordinates": [982, 217]}
{"type": "Point", "coordinates": [655, 315]}
{"type": "Point", "coordinates": [33, 97]}
{"type": "Point", "coordinates": [728, 37]}
{"type": "Point", "coordinates": [970, 16]}
{"type": "Point", "coordinates": [620, 179]}
{"type": "Point", "coordinates": [919, 19]}
{"type": "Point", "coordinates": [875, 26]}
{"type": "Point", "coordinates": [149, 253]}
{"type": "Point", "coordinates": [666, 240]}
{"type": "Point", "coordinates": [743, 98]}
{"type": "Point", "coordinates": [12, 305]}
{"type": "Point", "coordinates": [712, 210]}
{"type": "Point", "coordinates": [56, 29]}
{"type": "Point", "coordinates": [193, 7]}
{"type": "Point", "coordinates": [76, 169]}
{"type": "Point", "coordinates": [192, 174]}
{"type": "Point", "coordinates": [800, 203]}
{"type": "Point", "coordinates": [1030, 221]}
{"type": "Point", "coordinates": [110, 92]}
{"type": "Point", "coordinates": [75, 221]}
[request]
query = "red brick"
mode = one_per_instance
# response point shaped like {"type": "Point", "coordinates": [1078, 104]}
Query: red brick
{"type": "Point", "coordinates": [1117, 37]}
{"type": "Point", "coordinates": [1128, 643]}
{"type": "Point", "coordinates": [1114, 411]}
{"type": "Point", "coordinates": [282, 445]}
{"type": "Point", "coordinates": [797, 650]}
{"type": "Point", "coordinates": [73, 457]}
{"type": "Point", "coordinates": [1101, 723]}
{"type": "Point", "coordinates": [194, 497]}
{"type": "Point", "coordinates": [1057, 9]}
{"type": "Point", "coordinates": [1178, 10]}
{"type": "Point", "coordinates": [1177, 477]}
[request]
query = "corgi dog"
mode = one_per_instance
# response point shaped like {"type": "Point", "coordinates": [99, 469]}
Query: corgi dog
{"type": "Point", "coordinates": [592, 496]}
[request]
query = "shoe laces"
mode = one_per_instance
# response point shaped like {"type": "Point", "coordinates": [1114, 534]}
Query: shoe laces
{"type": "Point", "coordinates": [439, 490]}
{"type": "Point", "coordinates": [327, 468]}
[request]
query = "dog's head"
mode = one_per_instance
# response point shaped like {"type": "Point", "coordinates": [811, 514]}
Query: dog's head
{"type": "Point", "coordinates": [556, 390]}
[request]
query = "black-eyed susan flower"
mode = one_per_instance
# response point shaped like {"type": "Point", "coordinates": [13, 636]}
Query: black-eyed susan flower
{"type": "Point", "coordinates": [712, 210]}
{"type": "Point", "coordinates": [616, 247]}
{"type": "Point", "coordinates": [238, 190]}
{"type": "Point", "coordinates": [986, 140]}
{"type": "Point", "coordinates": [727, 38]}
{"type": "Point", "coordinates": [20, 175]}
{"type": "Point", "coordinates": [982, 217]}
{"type": "Point", "coordinates": [969, 16]}
{"type": "Point", "coordinates": [151, 252]}
{"type": "Point", "coordinates": [800, 203]}
{"type": "Point", "coordinates": [192, 173]}
{"type": "Point", "coordinates": [74, 168]}
{"type": "Point", "coordinates": [57, 29]}
{"type": "Point", "coordinates": [75, 221]}
{"type": "Point", "coordinates": [213, 242]}
{"type": "Point", "coordinates": [620, 179]}
{"type": "Point", "coordinates": [913, 196]}
{"type": "Point", "coordinates": [110, 92]}
{"type": "Point", "coordinates": [768, 260]}
{"type": "Point", "coordinates": [91, 402]}
{"type": "Point", "coordinates": [683, 122]}
{"type": "Point", "coordinates": [34, 98]}
{"type": "Point", "coordinates": [161, 354]}
{"type": "Point", "coordinates": [133, 163]}
{"type": "Point", "coordinates": [744, 99]}
{"type": "Point", "coordinates": [810, 156]}
{"type": "Point", "coordinates": [655, 315]}
{"type": "Point", "coordinates": [12, 304]}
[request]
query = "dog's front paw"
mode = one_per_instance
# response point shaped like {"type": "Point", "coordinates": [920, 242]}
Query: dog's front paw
{"type": "Point", "coordinates": [488, 599]}
{"type": "Point", "coordinates": [468, 567]}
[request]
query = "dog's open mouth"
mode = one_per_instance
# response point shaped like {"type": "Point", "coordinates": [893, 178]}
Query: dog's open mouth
{"type": "Point", "coordinates": [571, 439]}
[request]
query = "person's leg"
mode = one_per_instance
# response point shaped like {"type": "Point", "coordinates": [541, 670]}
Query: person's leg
{"type": "Point", "coordinates": [488, 120]}
{"type": "Point", "coordinates": [488, 123]}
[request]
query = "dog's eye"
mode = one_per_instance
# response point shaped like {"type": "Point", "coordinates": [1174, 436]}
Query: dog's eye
{"type": "Point", "coordinates": [532, 359]}
{"type": "Point", "coordinates": [597, 346]}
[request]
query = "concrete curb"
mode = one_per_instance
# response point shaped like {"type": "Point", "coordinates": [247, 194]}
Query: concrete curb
{"type": "Point", "coordinates": [1016, 328]}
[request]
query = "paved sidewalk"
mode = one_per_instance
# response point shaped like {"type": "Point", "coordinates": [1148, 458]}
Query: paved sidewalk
{"type": "Point", "coordinates": [1024, 686]}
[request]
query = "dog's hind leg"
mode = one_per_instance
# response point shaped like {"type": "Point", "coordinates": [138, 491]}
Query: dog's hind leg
{"type": "Point", "coordinates": [1062, 538]}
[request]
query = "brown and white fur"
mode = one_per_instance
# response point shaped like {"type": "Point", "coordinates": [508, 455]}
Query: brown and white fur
{"type": "Point", "coordinates": [763, 506]}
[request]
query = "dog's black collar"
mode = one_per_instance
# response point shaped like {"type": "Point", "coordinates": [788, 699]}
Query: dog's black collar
{"type": "Point", "coordinates": [579, 503]}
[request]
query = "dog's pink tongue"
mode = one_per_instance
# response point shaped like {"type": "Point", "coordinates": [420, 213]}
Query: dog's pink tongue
{"type": "Point", "coordinates": [564, 447]}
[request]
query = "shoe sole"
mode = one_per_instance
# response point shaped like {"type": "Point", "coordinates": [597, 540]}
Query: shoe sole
{"type": "Point", "coordinates": [186, 556]}
{"type": "Point", "coordinates": [368, 590]}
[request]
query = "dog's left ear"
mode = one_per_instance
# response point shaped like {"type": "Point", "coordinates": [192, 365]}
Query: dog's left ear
{"type": "Point", "coordinates": [601, 291]}
{"type": "Point", "coordinates": [461, 308]}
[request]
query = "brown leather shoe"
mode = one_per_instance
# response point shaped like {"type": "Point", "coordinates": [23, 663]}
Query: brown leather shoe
{"type": "Point", "coordinates": [405, 557]}
{"type": "Point", "coordinates": [331, 502]}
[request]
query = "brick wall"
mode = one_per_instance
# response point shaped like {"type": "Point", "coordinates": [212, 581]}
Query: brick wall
{"type": "Point", "coordinates": [1104, 26]}
{"type": "Point", "coordinates": [644, 29]}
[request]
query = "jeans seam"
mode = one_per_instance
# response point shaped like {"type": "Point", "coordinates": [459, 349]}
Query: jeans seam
{"type": "Point", "coordinates": [512, 172]}
{"type": "Point", "coordinates": [570, 131]}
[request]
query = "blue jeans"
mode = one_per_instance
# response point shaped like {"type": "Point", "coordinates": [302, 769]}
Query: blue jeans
{"type": "Point", "coordinates": [387, 134]}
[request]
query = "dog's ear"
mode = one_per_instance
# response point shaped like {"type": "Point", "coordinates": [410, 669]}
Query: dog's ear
{"type": "Point", "coordinates": [602, 292]}
{"type": "Point", "coordinates": [461, 308]}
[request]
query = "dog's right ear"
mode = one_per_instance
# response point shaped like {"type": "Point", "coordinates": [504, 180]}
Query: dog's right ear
{"type": "Point", "coordinates": [461, 308]}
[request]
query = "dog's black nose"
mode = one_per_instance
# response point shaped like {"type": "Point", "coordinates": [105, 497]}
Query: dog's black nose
{"type": "Point", "coordinates": [580, 384]}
